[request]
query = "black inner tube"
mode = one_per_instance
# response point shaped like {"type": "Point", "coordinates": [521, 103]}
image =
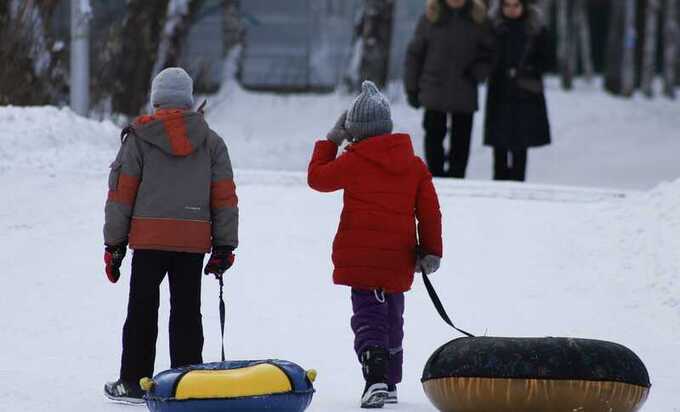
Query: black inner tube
{"type": "Point", "coordinates": [536, 358]}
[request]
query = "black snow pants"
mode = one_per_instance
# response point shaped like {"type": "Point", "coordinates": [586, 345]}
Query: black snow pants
{"type": "Point", "coordinates": [435, 124]}
{"type": "Point", "coordinates": [149, 267]}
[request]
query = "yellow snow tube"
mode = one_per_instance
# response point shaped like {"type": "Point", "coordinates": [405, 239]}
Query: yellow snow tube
{"type": "Point", "coordinates": [262, 379]}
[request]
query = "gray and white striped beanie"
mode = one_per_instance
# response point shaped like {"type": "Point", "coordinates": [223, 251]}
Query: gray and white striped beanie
{"type": "Point", "coordinates": [370, 114]}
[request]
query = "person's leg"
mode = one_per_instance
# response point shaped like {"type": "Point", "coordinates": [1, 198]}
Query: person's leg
{"type": "Point", "coordinates": [186, 329]}
{"type": "Point", "coordinates": [141, 326]}
{"type": "Point", "coordinates": [500, 163]}
{"type": "Point", "coordinates": [370, 327]}
{"type": "Point", "coordinates": [395, 316]}
{"type": "Point", "coordinates": [519, 165]}
{"type": "Point", "coordinates": [435, 131]}
{"type": "Point", "coordinates": [461, 134]}
{"type": "Point", "coordinates": [369, 321]}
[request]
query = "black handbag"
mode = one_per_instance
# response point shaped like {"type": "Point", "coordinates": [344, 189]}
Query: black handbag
{"type": "Point", "coordinates": [523, 80]}
{"type": "Point", "coordinates": [530, 84]}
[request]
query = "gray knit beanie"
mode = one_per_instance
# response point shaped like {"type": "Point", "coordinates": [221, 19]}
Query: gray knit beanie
{"type": "Point", "coordinates": [369, 115]}
{"type": "Point", "coordinates": [172, 88]}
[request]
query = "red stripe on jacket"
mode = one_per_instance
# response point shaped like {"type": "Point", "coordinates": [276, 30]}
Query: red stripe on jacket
{"type": "Point", "coordinates": [170, 234]}
{"type": "Point", "coordinates": [223, 194]}
{"type": "Point", "coordinates": [175, 128]}
{"type": "Point", "coordinates": [126, 191]}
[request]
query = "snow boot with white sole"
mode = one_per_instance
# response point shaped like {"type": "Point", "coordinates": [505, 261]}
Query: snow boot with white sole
{"type": "Point", "coordinates": [374, 396]}
{"type": "Point", "coordinates": [391, 394]}
{"type": "Point", "coordinates": [374, 367]}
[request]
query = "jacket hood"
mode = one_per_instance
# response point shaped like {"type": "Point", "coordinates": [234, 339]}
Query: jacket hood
{"type": "Point", "coordinates": [434, 9]}
{"type": "Point", "coordinates": [392, 152]}
{"type": "Point", "coordinates": [176, 132]}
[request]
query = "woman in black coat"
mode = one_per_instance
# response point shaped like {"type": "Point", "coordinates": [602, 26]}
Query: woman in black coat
{"type": "Point", "coordinates": [450, 53]}
{"type": "Point", "coordinates": [516, 112]}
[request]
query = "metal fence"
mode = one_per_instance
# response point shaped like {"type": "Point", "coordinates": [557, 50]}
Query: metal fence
{"type": "Point", "coordinates": [306, 44]}
{"type": "Point", "coordinates": [291, 45]}
{"type": "Point", "coordinates": [297, 44]}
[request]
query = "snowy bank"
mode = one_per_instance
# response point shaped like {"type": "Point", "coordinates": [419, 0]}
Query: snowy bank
{"type": "Point", "coordinates": [599, 140]}
{"type": "Point", "coordinates": [54, 139]}
{"type": "Point", "coordinates": [651, 228]}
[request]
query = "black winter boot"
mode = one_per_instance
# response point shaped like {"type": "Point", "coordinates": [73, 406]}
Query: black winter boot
{"type": "Point", "coordinates": [374, 366]}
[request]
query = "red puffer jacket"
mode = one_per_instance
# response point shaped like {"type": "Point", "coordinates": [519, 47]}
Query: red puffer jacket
{"type": "Point", "coordinates": [387, 187]}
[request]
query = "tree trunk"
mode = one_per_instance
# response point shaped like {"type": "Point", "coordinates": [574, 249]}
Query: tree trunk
{"type": "Point", "coordinates": [615, 45]}
{"type": "Point", "coordinates": [234, 37]}
{"type": "Point", "coordinates": [628, 65]}
{"type": "Point", "coordinates": [233, 28]}
{"type": "Point", "coordinates": [565, 38]}
{"type": "Point", "coordinates": [376, 39]}
{"type": "Point", "coordinates": [139, 44]}
{"type": "Point", "coordinates": [671, 53]}
{"type": "Point", "coordinates": [547, 7]}
{"type": "Point", "coordinates": [583, 27]}
{"type": "Point", "coordinates": [176, 28]}
{"type": "Point", "coordinates": [350, 80]}
{"type": "Point", "coordinates": [649, 47]}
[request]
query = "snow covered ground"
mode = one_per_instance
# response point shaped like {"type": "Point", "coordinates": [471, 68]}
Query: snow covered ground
{"type": "Point", "coordinates": [520, 260]}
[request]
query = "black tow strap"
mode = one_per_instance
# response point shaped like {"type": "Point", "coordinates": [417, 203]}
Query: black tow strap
{"type": "Point", "coordinates": [222, 313]}
{"type": "Point", "coordinates": [438, 305]}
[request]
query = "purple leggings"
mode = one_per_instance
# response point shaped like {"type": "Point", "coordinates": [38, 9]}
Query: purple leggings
{"type": "Point", "coordinates": [378, 320]}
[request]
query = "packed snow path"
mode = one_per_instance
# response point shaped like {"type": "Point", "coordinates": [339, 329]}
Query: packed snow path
{"type": "Point", "coordinates": [596, 266]}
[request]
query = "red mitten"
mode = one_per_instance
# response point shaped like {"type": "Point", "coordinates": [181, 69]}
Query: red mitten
{"type": "Point", "coordinates": [220, 261]}
{"type": "Point", "coordinates": [113, 258]}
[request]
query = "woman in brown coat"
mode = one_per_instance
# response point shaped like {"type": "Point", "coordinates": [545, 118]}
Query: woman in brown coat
{"type": "Point", "coordinates": [450, 54]}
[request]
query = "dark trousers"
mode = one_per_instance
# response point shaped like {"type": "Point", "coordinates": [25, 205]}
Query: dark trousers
{"type": "Point", "coordinates": [435, 124]}
{"type": "Point", "coordinates": [141, 326]}
{"type": "Point", "coordinates": [378, 320]}
{"type": "Point", "coordinates": [509, 164]}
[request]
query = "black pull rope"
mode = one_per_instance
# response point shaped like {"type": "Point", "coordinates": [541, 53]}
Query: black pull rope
{"type": "Point", "coordinates": [222, 313]}
{"type": "Point", "coordinates": [438, 305]}
{"type": "Point", "coordinates": [201, 108]}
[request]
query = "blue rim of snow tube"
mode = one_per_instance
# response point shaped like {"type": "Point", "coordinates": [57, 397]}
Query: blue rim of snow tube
{"type": "Point", "coordinates": [283, 402]}
{"type": "Point", "coordinates": [161, 398]}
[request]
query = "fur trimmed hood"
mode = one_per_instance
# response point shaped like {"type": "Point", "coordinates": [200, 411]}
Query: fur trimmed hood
{"type": "Point", "coordinates": [477, 10]}
{"type": "Point", "coordinates": [534, 18]}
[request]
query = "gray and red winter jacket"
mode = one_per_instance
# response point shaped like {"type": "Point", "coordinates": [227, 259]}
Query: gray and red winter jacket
{"type": "Point", "coordinates": [171, 187]}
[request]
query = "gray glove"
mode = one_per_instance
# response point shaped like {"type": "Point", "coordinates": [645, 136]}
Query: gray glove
{"type": "Point", "coordinates": [338, 133]}
{"type": "Point", "coordinates": [428, 264]}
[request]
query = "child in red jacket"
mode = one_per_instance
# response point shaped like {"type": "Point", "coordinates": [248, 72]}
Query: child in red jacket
{"type": "Point", "coordinates": [390, 227]}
